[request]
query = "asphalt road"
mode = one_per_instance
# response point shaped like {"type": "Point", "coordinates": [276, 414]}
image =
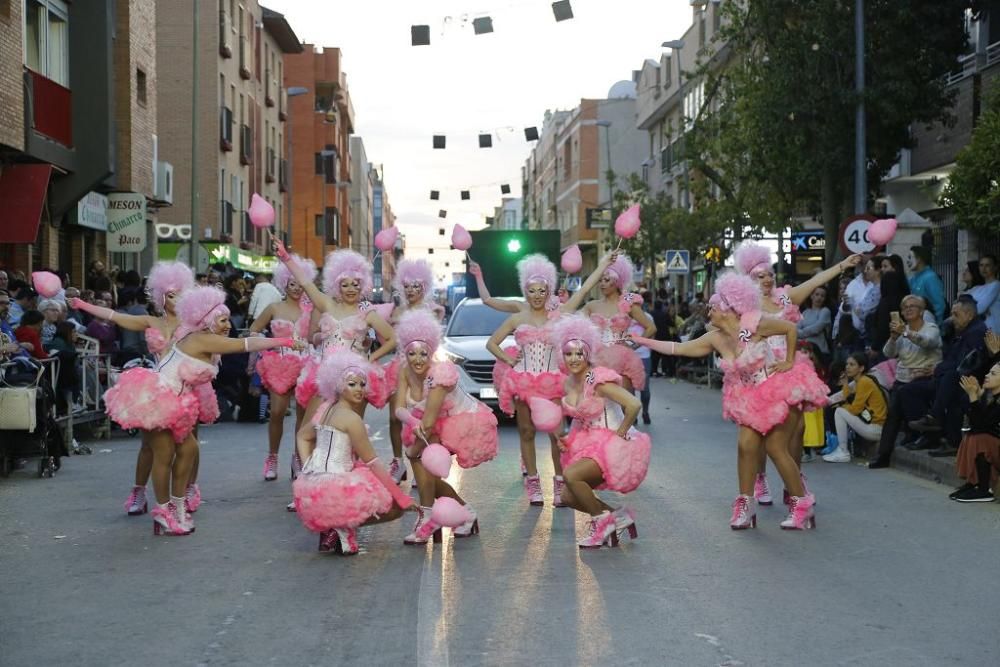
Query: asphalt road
{"type": "Point", "coordinates": [895, 574]}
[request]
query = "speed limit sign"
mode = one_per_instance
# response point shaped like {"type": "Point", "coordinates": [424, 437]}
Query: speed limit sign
{"type": "Point", "coordinates": [854, 234]}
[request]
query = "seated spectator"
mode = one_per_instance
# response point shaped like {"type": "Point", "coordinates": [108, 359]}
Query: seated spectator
{"type": "Point", "coordinates": [979, 454]}
{"type": "Point", "coordinates": [942, 395]}
{"type": "Point", "coordinates": [4, 280]}
{"type": "Point", "coordinates": [924, 282]}
{"type": "Point", "coordinates": [987, 294]}
{"type": "Point", "coordinates": [915, 344]}
{"type": "Point", "coordinates": [893, 288]}
{"type": "Point", "coordinates": [814, 327]}
{"type": "Point", "coordinates": [104, 331]}
{"type": "Point", "coordinates": [63, 347]}
{"type": "Point", "coordinates": [9, 346]}
{"type": "Point", "coordinates": [25, 300]}
{"type": "Point", "coordinates": [52, 310]}
{"type": "Point", "coordinates": [864, 410]}
{"type": "Point", "coordinates": [29, 334]}
{"type": "Point", "coordinates": [696, 324]}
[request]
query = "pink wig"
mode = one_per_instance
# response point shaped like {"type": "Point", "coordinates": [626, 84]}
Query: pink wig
{"type": "Point", "coordinates": [418, 326]}
{"type": "Point", "coordinates": [576, 330]}
{"type": "Point", "coordinates": [750, 256]}
{"type": "Point", "coordinates": [342, 264]}
{"type": "Point", "coordinates": [536, 269]}
{"type": "Point", "coordinates": [621, 270]}
{"type": "Point", "coordinates": [414, 271]}
{"type": "Point", "coordinates": [168, 277]}
{"type": "Point", "coordinates": [739, 294]}
{"type": "Point", "coordinates": [198, 308]}
{"type": "Point", "coordinates": [336, 367]}
{"type": "Point", "coordinates": [282, 275]}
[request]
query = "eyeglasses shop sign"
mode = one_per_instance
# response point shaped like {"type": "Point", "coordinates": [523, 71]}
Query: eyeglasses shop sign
{"type": "Point", "coordinates": [126, 222]}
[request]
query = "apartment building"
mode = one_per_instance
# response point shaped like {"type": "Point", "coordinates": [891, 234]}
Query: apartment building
{"type": "Point", "coordinates": [224, 124]}
{"type": "Point", "coordinates": [79, 169]}
{"type": "Point", "coordinates": [383, 218]}
{"type": "Point", "coordinates": [509, 215]}
{"type": "Point", "coordinates": [322, 121]}
{"type": "Point", "coordinates": [362, 182]}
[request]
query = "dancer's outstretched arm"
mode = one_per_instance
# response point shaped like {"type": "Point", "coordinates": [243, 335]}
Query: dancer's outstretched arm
{"type": "Point", "coordinates": [262, 320]}
{"type": "Point", "coordinates": [209, 343]}
{"type": "Point", "coordinates": [772, 326]}
{"type": "Point", "coordinates": [503, 305]}
{"type": "Point", "coordinates": [702, 346]}
{"type": "Point", "coordinates": [800, 293]}
{"type": "Point", "coordinates": [575, 301]}
{"type": "Point", "coordinates": [125, 321]}
{"type": "Point", "coordinates": [353, 425]}
{"type": "Point", "coordinates": [322, 302]}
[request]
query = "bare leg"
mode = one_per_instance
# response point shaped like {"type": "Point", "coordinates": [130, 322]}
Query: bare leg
{"type": "Point", "coordinates": [425, 482]}
{"type": "Point", "coordinates": [776, 444]}
{"type": "Point", "coordinates": [395, 433]}
{"type": "Point", "coordinates": [163, 446]}
{"type": "Point", "coordinates": [795, 443]}
{"type": "Point", "coordinates": [578, 493]}
{"type": "Point", "coordinates": [749, 448]}
{"type": "Point", "coordinates": [526, 433]}
{"type": "Point", "coordinates": [762, 461]}
{"type": "Point", "coordinates": [627, 385]}
{"type": "Point", "coordinates": [556, 454]}
{"type": "Point", "coordinates": [195, 464]}
{"type": "Point", "coordinates": [276, 424]}
{"type": "Point", "coordinates": [144, 461]}
{"type": "Point", "coordinates": [183, 460]}
{"type": "Point", "coordinates": [394, 513]}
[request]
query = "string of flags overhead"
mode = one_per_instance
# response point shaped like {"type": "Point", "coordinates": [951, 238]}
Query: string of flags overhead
{"type": "Point", "coordinates": [420, 35]}
{"type": "Point", "coordinates": [466, 195]}
{"type": "Point", "coordinates": [440, 141]}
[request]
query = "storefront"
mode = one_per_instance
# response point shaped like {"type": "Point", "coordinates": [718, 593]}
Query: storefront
{"type": "Point", "coordinates": [806, 249]}
{"type": "Point", "coordinates": [218, 253]}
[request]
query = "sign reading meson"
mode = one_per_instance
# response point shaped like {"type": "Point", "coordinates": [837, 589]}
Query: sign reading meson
{"type": "Point", "coordinates": [126, 222]}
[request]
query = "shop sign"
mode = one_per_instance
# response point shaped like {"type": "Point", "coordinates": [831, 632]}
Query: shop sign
{"type": "Point", "coordinates": [92, 211]}
{"type": "Point", "coordinates": [219, 253]}
{"type": "Point", "coordinates": [126, 222]}
{"type": "Point", "coordinates": [806, 241]}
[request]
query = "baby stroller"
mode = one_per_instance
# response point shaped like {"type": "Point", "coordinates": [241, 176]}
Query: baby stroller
{"type": "Point", "coordinates": [138, 362]}
{"type": "Point", "coordinates": [26, 418]}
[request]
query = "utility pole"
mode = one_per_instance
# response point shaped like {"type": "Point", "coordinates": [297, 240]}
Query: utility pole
{"type": "Point", "coordinates": [860, 163]}
{"type": "Point", "coordinates": [194, 137]}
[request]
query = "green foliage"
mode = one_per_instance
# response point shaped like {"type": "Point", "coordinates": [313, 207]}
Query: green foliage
{"type": "Point", "coordinates": [973, 189]}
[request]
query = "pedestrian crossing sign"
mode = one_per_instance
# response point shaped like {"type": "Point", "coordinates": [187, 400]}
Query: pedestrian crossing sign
{"type": "Point", "coordinates": [678, 261]}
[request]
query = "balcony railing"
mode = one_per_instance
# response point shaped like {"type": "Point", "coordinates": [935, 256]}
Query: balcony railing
{"type": "Point", "coordinates": [993, 54]}
{"type": "Point", "coordinates": [246, 145]}
{"type": "Point", "coordinates": [51, 108]}
{"type": "Point", "coordinates": [225, 36]}
{"type": "Point", "coordinates": [966, 67]}
{"type": "Point", "coordinates": [226, 129]}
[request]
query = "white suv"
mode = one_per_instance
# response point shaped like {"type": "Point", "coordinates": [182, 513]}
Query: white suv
{"type": "Point", "coordinates": [470, 326]}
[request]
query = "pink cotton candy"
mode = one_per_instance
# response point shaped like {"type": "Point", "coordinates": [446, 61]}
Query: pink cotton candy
{"type": "Point", "coordinates": [261, 212]}
{"type": "Point", "coordinates": [386, 238]}
{"type": "Point", "coordinates": [572, 260]}
{"type": "Point", "coordinates": [436, 460]}
{"type": "Point", "coordinates": [545, 415]}
{"type": "Point", "coordinates": [460, 239]}
{"type": "Point", "coordinates": [47, 284]}
{"type": "Point", "coordinates": [882, 231]}
{"type": "Point", "coordinates": [627, 224]}
{"type": "Point", "coordinates": [449, 512]}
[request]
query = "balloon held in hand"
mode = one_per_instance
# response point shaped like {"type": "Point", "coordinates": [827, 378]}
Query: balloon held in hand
{"type": "Point", "coordinates": [261, 212]}
{"type": "Point", "coordinates": [882, 231]}
{"type": "Point", "coordinates": [627, 224]}
{"type": "Point", "coordinates": [386, 238]}
{"type": "Point", "coordinates": [460, 238]}
{"type": "Point", "coordinates": [572, 260]}
{"type": "Point", "coordinates": [47, 284]}
{"type": "Point", "coordinates": [436, 460]}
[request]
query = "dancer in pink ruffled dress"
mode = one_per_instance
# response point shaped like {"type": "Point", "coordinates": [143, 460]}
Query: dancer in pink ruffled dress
{"type": "Point", "coordinates": [343, 319]}
{"type": "Point", "coordinates": [166, 282]}
{"type": "Point", "coordinates": [754, 260]}
{"type": "Point", "coordinates": [414, 281]}
{"type": "Point", "coordinates": [532, 368]}
{"type": "Point", "coordinates": [761, 393]}
{"type": "Point", "coordinates": [165, 404]}
{"type": "Point", "coordinates": [433, 408]}
{"type": "Point", "coordinates": [279, 370]}
{"type": "Point", "coordinates": [601, 450]}
{"type": "Point", "coordinates": [343, 485]}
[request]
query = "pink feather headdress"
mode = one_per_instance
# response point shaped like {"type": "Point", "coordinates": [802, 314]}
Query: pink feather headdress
{"type": "Point", "coordinates": [750, 256]}
{"type": "Point", "coordinates": [622, 270]}
{"type": "Point", "coordinates": [536, 269]}
{"type": "Point", "coordinates": [576, 329]}
{"type": "Point", "coordinates": [197, 309]}
{"type": "Point", "coordinates": [418, 326]}
{"type": "Point", "coordinates": [414, 271]}
{"type": "Point", "coordinates": [336, 367]}
{"type": "Point", "coordinates": [739, 294]}
{"type": "Point", "coordinates": [282, 275]}
{"type": "Point", "coordinates": [342, 264]}
{"type": "Point", "coordinates": [168, 277]}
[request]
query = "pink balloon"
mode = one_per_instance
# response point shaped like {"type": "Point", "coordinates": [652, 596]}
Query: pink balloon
{"type": "Point", "coordinates": [47, 284]}
{"type": "Point", "coordinates": [386, 238]}
{"type": "Point", "coordinates": [545, 415]}
{"type": "Point", "coordinates": [436, 460]}
{"type": "Point", "coordinates": [882, 231]}
{"type": "Point", "coordinates": [261, 213]}
{"type": "Point", "coordinates": [460, 239]}
{"type": "Point", "coordinates": [572, 260]}
{"type": "Point", "coordinates": [449, 512]}
{"type": "Point", "coordinates": [627, 224]}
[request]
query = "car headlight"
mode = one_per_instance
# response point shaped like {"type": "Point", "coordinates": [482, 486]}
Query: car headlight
{"type": "Point", "coordinates": [445, 355]}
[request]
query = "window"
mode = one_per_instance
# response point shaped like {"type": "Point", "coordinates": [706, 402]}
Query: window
{"type": "Point", "coordinates": [140, 87]}
{"type": "Point", "coordinates": [320, 229]}
{"type": "Point", "coordinates": [46, 39]}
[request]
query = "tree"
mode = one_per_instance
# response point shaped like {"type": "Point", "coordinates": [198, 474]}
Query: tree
{"type": "Point", "coordinates": [973, 188]}
{"type": "Point", "coordinates": [782, 109]}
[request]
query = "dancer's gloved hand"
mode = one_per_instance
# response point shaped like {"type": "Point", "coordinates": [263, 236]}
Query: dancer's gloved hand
{"type": "Point", "coordinates": [279, 249]}
{"type": "Point", "coordinates": [97, 311]}
{"type": "Point", "coordinates": [475, 270]}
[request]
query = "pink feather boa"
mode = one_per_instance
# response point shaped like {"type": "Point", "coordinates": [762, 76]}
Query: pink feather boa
{"type": "Point", "coordinates": [339, 500]}
{"type": "Point", "coordinates": [279, 372]}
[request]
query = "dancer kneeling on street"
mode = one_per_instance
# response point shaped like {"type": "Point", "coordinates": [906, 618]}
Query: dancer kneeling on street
{"type": "Point", "coordinates": [343, 485]}
{"type": "Point", "coordinates": [433, 408]}
{"type": "Point", "coordinates": [602, 450]}
{"type": "Point", "coordinates": [760, 393]}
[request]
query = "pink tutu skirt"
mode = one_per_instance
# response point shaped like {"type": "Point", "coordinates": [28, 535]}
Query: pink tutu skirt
{"type": "Point", "coordinates": [208, 403]}
{"type": "Point", "coordinates": [524, 386]}
{"type": "Point", "coordinates": [379, 390]}
{"type": "Point", "coordinates": [140, 400]}
{"type": "Point", "coordinates": [766, 405]}
{"type": "Point", "coordinates": [623, 361]}
{"type": "Point", "coordinates": [391, 371]}
{"type": "Point", "coordinates": [623, 463]}
{"type": "Point", "coordinates": [471, 436]}
{"type": "Point", "coordinates": [305, 386]}
{"type": "Point", "coordinates": [279, 372]}
{"type": "Point", "coordinates": [339, 500]}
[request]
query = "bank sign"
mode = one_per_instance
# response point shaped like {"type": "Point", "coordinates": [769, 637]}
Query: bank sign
{"type": "Point", "coordinates": [126, 222]}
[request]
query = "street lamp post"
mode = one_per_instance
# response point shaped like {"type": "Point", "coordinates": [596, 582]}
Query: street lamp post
{"type": "Point", "coordinates": [194, 136]}
{"type": "Point", "coordinates": [860, 168]}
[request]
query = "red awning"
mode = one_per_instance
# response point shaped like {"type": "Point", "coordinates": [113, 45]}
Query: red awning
{"type": "Point", "coordinates": [23, 189]}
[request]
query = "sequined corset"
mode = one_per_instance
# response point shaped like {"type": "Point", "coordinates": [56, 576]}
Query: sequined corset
{"type": "Point", "coordinates": [778, 344]}
{"type": "Point", "coordinates": [180, 371]}
{"type": "Point", "coordinates": [282, 328]}
{"type": "Point", "coordinates": [537, 354]}
{"type": "Point", "coordinates": [612, 328]}
{"type": "Point", "coordinates": [333, 453]}
{"type": "Point", "coordinates": [752, 365]}
{"type": "Point", "coordinates": [593, 411]}
{"type": "Point", "coordinates": [350, 332]}
{"type": "Point", "coordinates": [457, 401]}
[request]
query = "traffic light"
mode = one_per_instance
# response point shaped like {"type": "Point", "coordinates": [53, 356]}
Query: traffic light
{"type": "Point", "coordinates": [514, 245]}
{"type": "Point", "coordinates": [713, 254]}
{"type": "Point", "coordinates": [499, 251]}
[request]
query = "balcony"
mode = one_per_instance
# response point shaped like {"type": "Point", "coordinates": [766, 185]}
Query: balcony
{"type": "Point", "coordinates": [270, 166]}
{"type": "Point", "coordinates": [50, 108]}
{"type": "Point", "coordinates": [269, 88]}
{"type": "Point", "coordinates": [246, 145]}
{"type": "Point", "coordinates": [283, 176]}
{"type": "Point", "coordinates": [225, 36]}
{"type": "Point", "coordinates": [226, 129]}
{"type": "Point", "coordinates": [244, 59]}
{"type": "Point", "coordinates": [226, 219]}
{"type": "Point", "coordinates": [283, 105]}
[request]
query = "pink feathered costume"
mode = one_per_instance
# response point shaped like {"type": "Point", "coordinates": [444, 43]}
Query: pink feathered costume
{"type": "Point", "coordinates": [208, 402]}
{"type": "Point", "coordinates": [335, 489]}
{"type": "Point", "coordinates": [620, 358]}
{"type": "Point", "coordinates": [623, 462]}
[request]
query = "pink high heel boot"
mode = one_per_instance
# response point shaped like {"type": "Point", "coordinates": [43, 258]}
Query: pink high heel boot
{"type": "Point", "coordinates": [601, 532]}
{"type": "Point", "coordinates": [470, 527]}
{"type": "Point", "coordinates": [801, 515]}
{"type": "Point", "coordinates": [165, 521]}
{"type": "Point", "coordinates": [557, 486]}
{"type": "Point", "coordinates": [348, 538]}
{"type": "Point", "coordinates": [136, 504]}
{"type": "Point", "coordinates": [625, 522]}
{"type": "Point", "coordinates": [419, 536]}
{"type": "Point", "coordinates": [533, 489]}
{"type": "Point", "coordinates": [761, 492]}
{"type": "Point", "coordinates": [744, 513]}
{"type": "Point", "coordinates": [271, 468]}
{"type": "Point", "coordinates": [192, 499]}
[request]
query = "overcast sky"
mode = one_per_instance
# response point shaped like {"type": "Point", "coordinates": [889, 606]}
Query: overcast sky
{"type": "Point", "coordinates": [463, 84]}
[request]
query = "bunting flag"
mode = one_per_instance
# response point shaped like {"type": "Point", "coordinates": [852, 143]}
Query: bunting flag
{"type": "Point", "coordinates": [420, 35]}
